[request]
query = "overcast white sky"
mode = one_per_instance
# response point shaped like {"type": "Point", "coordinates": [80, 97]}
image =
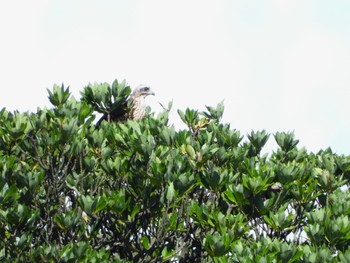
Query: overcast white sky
{"type": "Point", "coordinates": [279, 65]}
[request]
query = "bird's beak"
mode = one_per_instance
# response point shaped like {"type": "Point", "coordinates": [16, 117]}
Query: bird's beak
{"type": "Point", "coordinates": [151, 92]}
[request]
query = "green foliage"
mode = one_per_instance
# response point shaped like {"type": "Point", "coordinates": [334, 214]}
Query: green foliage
{"type": "Point", "coordinates": [143, 191]}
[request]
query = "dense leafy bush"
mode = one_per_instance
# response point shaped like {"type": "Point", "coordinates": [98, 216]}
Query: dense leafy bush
{"type": "Point", "coordinates": [143, 191]}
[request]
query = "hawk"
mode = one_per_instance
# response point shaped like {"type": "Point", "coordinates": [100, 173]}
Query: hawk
{"type": "Point", "coordinates": [134, 108]}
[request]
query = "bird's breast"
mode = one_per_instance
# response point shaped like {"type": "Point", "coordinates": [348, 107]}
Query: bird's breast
{"type": "Point", "coordinates": [138, 109]}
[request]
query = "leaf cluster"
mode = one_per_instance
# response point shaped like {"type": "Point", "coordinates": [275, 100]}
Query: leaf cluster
{"type": "Point", "coordinates": [142, 191]}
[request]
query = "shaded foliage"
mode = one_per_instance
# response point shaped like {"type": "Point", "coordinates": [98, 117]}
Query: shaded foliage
{"type": "Point", "coordinates": [142, 191]}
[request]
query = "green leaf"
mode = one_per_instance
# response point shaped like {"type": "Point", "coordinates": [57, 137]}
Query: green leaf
{"type": "Point", "coordinates": [59, 220]}
{"type": "Point", "coordinates": [190, 151]}
{"type": "Point", "coordinates": [136, 209]}
{"type": "Point", "coordinates": [101, 204]}
{"type": "Point", "coordinates": [59, 95]}
{"type": "Point", "coordinates": [182, 115]}
{"type": "Point", "coordinates": [11, 194]}
{"type": "Point", "coordinates": [286, 141]}
{"type": "Point", "coordinates": [173, 221]}
{"type": "Point", "coordinates": [166, 253]}
{"type": "Point", "coordinates": [145, 242]}
{"type": "Point", "coordinates": [215, 113]}
{"type": "Point", "coordinates": [258, 139]}
{"type": "Point", "coordinates": [170, 192]}
{"type": "Point", "coordinates": [87, 204]}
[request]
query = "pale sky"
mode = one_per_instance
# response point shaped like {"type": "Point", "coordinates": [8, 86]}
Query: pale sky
{"type": "Point", "coordinates": [279, 65]}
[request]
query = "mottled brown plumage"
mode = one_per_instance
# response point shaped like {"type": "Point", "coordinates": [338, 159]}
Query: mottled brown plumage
{"type": "Point", "coordinates": [134, 108]}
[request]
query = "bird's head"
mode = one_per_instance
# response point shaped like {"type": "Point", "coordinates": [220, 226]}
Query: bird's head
{"type": "Point", "coordinates": [142, 91]}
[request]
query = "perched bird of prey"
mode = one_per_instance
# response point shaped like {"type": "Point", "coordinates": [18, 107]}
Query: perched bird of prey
{"type": "Point", "coordinates": [133, 109]}
{"type": "Point", "coordinates": [138, 107]}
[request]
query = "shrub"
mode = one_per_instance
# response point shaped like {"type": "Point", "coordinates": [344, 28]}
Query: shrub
{"type": "Point", "coordinates": [143, 191]}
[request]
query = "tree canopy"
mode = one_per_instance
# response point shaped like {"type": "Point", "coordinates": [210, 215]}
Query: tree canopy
{"type": "Point", "coordinates": [143, 191]}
